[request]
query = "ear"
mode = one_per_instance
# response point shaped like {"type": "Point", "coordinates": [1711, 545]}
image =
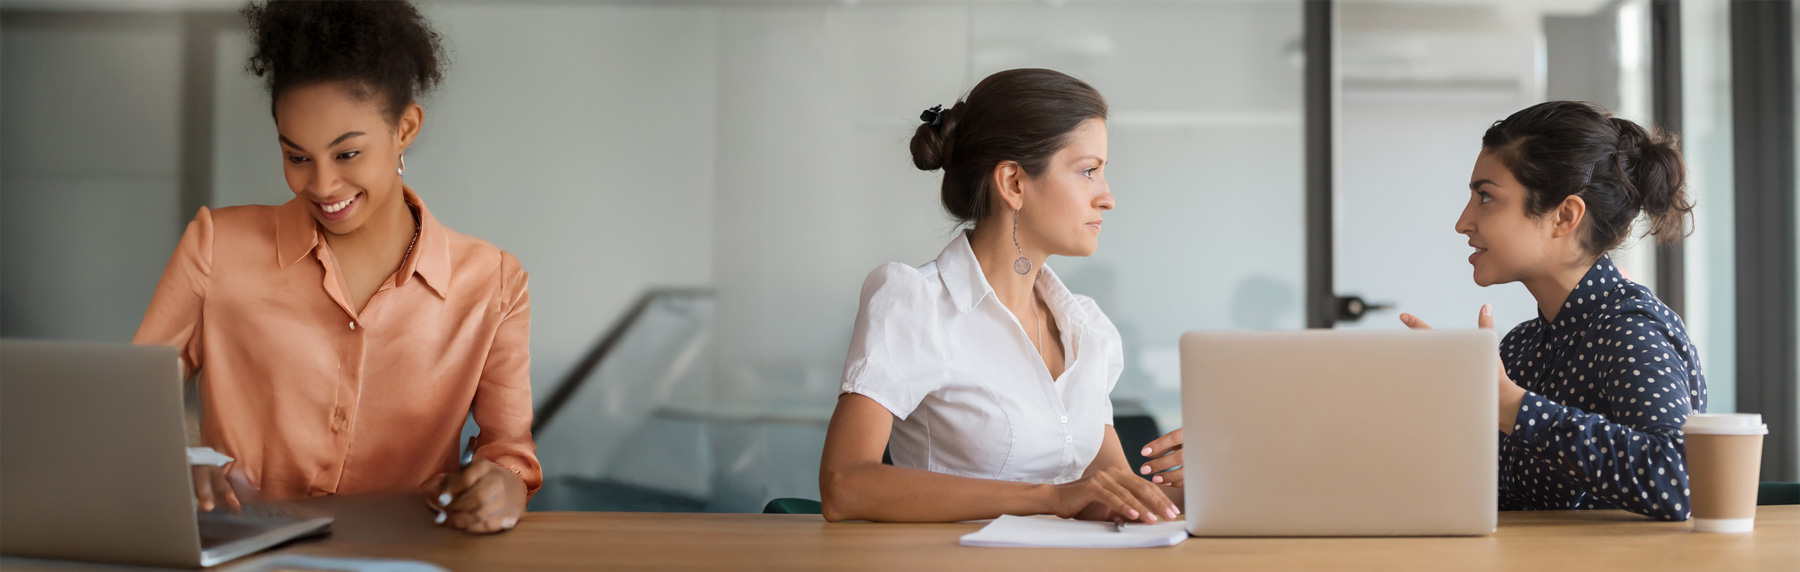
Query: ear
{"type": "Point", "coordinates": [1009, 185]}
{"type": "Point", "coordinates": [406, 128]}
{"type": "Point", "coordinates": [1566, 219]}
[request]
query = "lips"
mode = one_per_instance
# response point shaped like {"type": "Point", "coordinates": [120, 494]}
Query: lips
{"type": "Point", "coordinates": [1094, 225]}
{"type": "Point", "coordinates": [1477, 254]}
{"type": "Point", "coordinates": [338, 210]}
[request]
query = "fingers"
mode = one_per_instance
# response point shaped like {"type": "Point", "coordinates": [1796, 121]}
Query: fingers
{"type": "Point", "coordinates": [1115, 500]}
{"type": "Point", "coordinates": [1162, 445]}
{"type": "Point", "coordinates": [1173, 478]}
{"type": "Point", "coordinates": [1140, 495]}
{"type": "Point", "coordinates": [1414, 322]}
{"type": "Point", "coordinates": [245, 491]}
{"type": "Point", "coordinates": [1485, 320]}
{"type": "Point", "coordinates": [433, 489]}
{"type": "Point", "coordinates": [203, 489]}
{"type": "Point", "coordinates": [1154, 497]}
{"type": "Point", "coordinates": [222, 490]}
{"type": "Point", "coordinates": [1160, 464]}
{"type": "Point", "coordinates": [482, 506]}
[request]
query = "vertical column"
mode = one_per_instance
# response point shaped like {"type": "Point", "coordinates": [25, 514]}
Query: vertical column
{"type": "Point", "coordinates": [1762, 97]}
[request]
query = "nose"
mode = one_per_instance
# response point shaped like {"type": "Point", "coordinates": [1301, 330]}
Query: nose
{"type": "Point", "coordinates": [1465, 223]}
{"type": "Point", "coordinates": [1104, 200]}
{"type": "Point", "coordinates": [324, 178]}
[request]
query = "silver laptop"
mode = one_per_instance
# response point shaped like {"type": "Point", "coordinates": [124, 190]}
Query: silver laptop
{"type": "Point", "coordinates": [93, 462]}
{"type": "Point", "coordinates": [1330, 433]}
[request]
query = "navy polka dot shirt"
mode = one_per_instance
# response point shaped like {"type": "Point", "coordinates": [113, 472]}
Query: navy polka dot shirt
{"type": "Point", "coordinates": [1609, 383]}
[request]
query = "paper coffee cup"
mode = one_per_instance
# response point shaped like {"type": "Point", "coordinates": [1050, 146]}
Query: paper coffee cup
{"type": "Point", "coordinates": [1724, 458]}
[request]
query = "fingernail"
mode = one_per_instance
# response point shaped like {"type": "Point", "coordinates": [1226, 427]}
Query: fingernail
{"type": "Point", "coordinates": [509, 522]}
{"type": "Point", "coordinates": [444, 498]}
{"type": "Point", "coordinates": [1131, 513]}
{"type": "Point", "coordinates": [1172, 513]}
{"type": "Point", "coordinates": [1177, 509]}
{"type": "Point", "coordinates": [1144, 470]}
{"type": "Point", "coordinates": [1146, 452]}
{"type": "Point", "coordinates": [441, 517]}
{"type": "Point", "coordinates": [1156, 479]}
{"type": "Point", "coordinates": [1151, 518]}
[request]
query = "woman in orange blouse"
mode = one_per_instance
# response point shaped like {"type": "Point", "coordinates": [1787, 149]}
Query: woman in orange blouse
{"type": "Point", "coordinates": [341, 338]}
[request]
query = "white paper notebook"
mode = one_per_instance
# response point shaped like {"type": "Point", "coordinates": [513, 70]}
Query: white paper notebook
{"type": "Point", "coordinates": [1030, 532]}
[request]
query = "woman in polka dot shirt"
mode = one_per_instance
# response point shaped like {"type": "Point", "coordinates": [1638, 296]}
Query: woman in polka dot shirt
{"type": "Point", "coordinates": [1592, 392]}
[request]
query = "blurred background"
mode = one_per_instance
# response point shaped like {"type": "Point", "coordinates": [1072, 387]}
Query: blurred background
{"type": "Point", "coordinates": [698, 188]}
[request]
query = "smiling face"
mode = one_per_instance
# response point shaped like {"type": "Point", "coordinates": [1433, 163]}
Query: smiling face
{"type": "Point", "coordinates": [1510, 244]}
{"type": "Point", "coordinates": [341, 153]}
{"type": "Point", "coordinates": [1066, 201]}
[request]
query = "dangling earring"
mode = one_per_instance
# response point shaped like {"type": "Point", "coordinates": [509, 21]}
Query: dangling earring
{"type": "Point", "coordinates": [1021, 265]}
{"type": "Point", "coordinates": [402, 170]}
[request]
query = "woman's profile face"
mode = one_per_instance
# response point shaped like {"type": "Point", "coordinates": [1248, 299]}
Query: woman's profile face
{"type": "Point", "coordinates": [1065, 202]}
{"type": "Point", "coordinates": [341, 153]}
{"type": "Point", "coordinates": [1509, 243]}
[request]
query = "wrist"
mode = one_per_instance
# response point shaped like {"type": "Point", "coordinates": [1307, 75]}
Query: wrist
{"type": "Point", "coordinates": [1043, 499]}
{"type": "Point", "coordinates": [1511, 398]}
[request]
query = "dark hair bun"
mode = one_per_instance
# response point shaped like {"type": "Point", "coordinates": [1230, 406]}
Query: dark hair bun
{"type": "Point", "coordinates": [1559, 149]}
{"type": "Point", "coordinates": [1652, 165]}
{"type": "Point", "coordinates": [931, 143]}
{"type": "Point", "coordinates": [382, 48]}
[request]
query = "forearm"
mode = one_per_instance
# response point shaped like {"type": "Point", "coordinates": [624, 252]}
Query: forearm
{"type": "Point", "coordinates": [885, 493]}
{"type": "Point", "coordinates": [1638, 470]}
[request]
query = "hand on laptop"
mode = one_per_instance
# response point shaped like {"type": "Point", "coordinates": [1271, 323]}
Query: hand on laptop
{"type": "Point", "coordinates": [1113, 491]}
{"type": "Point", "coordinates": [1511, 395]}
{"type": "Point", "coordinates": [217, 486]}
{"type": "Point", "coordinates": [1165, 460]}
{"type": "Point", "coordinates": [483, 498]}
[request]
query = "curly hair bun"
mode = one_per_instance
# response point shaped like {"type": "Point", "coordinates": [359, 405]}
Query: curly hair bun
{"type": "Point", "coordinates": [383, 49]}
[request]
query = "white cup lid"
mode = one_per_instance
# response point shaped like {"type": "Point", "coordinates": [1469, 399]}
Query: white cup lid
{"type": "Point", "coordinates": [1725, 424]}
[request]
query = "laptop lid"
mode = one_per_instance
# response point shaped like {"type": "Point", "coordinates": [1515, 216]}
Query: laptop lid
{"type": "Point", "coordinates": [1331, 433]}
{"type": "Point", "coordinates": [93, 462]}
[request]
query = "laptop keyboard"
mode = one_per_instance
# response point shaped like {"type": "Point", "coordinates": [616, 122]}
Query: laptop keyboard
{"type": "Point", "coordinates": [219, 530]}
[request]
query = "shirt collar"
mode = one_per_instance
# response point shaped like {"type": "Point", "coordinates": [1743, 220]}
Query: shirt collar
{"type": "Point", "coordinates": [297, 234]}
{"type": "Point", "coordinates": [1594, 290]}
{"type": "Point", "coordinates": [961, 273]}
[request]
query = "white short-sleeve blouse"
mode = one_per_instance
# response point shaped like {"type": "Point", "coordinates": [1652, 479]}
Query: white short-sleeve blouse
{"type": "Point", "coordinates": [969, 393]}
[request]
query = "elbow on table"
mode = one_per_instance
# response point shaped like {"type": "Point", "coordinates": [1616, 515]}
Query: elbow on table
{"type": "Point", "coordinates": [837, 496]}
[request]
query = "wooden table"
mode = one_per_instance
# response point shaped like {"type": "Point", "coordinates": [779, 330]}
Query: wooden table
{"type": "Point", "coordinates": [1562, 540]}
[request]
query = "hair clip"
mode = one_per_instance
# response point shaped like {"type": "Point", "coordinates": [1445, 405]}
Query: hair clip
{"type": "Point", "coordinates": [934, 116]}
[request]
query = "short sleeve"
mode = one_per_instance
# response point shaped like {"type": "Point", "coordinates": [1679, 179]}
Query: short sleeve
{"type": "Point", "coordinates": [897, 354]}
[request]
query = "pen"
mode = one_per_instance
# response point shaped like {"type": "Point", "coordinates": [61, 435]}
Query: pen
{"type": "Point", "coordinates": [468, 456]}
{"type": "Point", "coordinates": [1118, 524]}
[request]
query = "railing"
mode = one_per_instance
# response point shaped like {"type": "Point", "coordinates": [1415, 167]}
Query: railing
{"type": "Point", "coordinates": [584, 369]}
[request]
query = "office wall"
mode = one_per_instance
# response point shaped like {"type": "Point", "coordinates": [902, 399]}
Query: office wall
{"type": "Point", "coordinates": [88, 180]}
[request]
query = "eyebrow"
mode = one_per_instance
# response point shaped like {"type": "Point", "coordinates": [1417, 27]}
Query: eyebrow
{"type": "Point", "coordinates": [1094, 157]}
{"type": "Point", "coordinates": [334, 142]}
{"type": "Point", "coordinates": [1477, 184]}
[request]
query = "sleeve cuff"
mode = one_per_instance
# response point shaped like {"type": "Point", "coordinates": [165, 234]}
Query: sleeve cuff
{"type": "Point", "coordinates": [891, 404]}
{"type": "Point", "coordinates": [1535, 415]}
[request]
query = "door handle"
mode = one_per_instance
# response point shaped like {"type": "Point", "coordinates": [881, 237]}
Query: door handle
{"type": "Point", "coordinates": [1353, 308]}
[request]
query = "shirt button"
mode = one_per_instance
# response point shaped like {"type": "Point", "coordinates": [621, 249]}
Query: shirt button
{"type": "Point", "coordinates": [1065, 419]}
{"type": "Point", "coordinates": [1068, 439]}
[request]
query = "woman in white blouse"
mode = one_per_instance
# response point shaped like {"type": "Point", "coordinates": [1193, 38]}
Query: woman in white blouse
{"type": "Point", "coordinates": [982, 374]}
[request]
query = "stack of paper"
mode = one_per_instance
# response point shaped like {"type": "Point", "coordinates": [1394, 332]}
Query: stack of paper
{"type": "Point", "coordinates": [1030, 532]}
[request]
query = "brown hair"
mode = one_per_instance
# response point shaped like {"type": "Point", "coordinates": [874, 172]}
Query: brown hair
{"type": "Point", "coordinates": [1022, 115]}
{"type": "Point", "coordinates": [1560, 149]}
